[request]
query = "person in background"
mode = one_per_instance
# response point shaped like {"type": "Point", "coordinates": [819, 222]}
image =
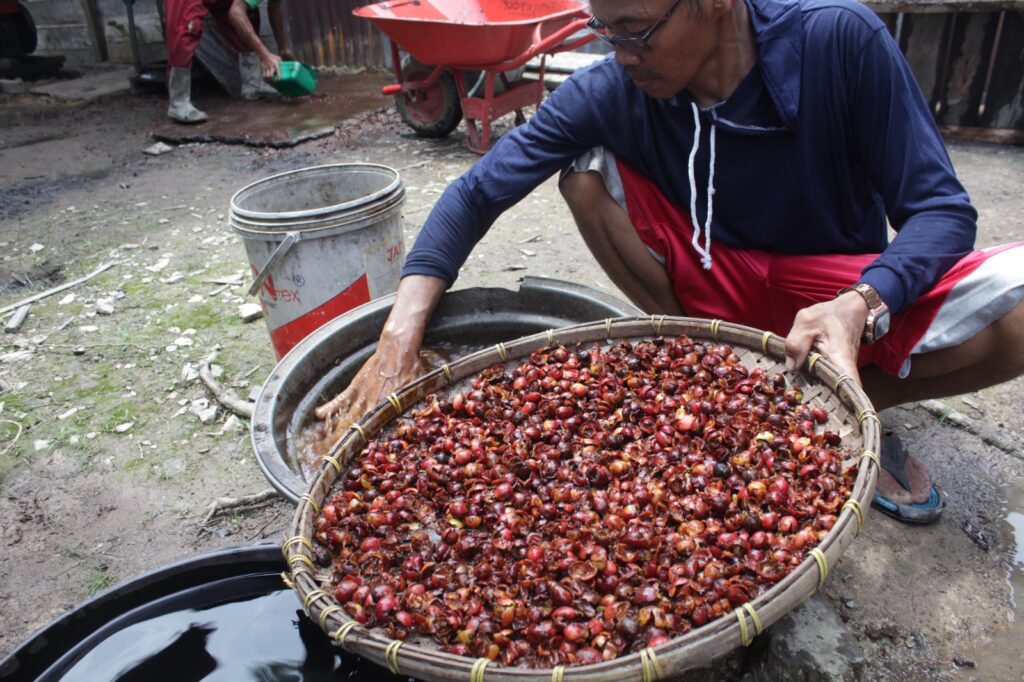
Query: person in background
{"type": "Point", "coordinates": [238, 22]}
{"type": "Point", "coordinates": [743, 160]}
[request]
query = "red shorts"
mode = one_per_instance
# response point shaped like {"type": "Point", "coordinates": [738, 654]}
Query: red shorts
{"type": "Point", "coordinates": [185, 27]}
{"type": "Point", "coordinates": [765, 290]}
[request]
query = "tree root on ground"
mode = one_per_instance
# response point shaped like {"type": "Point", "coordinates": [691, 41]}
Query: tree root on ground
{"type": "Point", "coordinates": [222, 504]}
{"type": "Point", "coordinates": [225, 396]}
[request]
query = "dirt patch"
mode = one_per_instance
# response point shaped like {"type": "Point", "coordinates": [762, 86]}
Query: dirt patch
{"type": "Point", "coordinates": [108, 469]}
{"type": "Point", "coordinates": [36, 277]}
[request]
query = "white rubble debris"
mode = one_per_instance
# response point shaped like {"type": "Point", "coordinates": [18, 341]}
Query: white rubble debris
{"type": "Point", "coordinates": [250, 312]}
{"type": "Point", "coordinates": [189, 373]}
{"type": "Point", "coordinates": [202, 408]}
{"type": "Point", "coordinates": [159, 265]}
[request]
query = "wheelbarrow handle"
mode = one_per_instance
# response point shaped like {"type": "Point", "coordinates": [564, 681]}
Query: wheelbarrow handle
{"type": "Point", "coordinates": [544, 44]}
{"type": "Point", "coordinates": [541, 45]}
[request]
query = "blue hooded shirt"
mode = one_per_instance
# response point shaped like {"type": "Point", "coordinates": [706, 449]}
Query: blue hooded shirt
{"type": "Point", "coordinates": [826, 141]}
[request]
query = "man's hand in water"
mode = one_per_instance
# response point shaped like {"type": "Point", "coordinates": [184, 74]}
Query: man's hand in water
{"type": "Point", "coordinates": [397, 360]}
{"type": "Point", "coordinates": [387, 370]}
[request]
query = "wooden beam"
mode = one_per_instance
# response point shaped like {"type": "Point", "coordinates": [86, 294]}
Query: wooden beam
{"type": "Point", "coordinates": [992, 135]}
{"type": "Point", "coordinates": [942, 6]}
{"type": "Point", "coordinates": [95, 22]}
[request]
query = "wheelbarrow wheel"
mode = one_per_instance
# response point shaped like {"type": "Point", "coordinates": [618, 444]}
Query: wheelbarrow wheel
{"type": "Point", "coordinates": [433, 112]}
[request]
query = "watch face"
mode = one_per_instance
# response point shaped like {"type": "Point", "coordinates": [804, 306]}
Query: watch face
{"type": "Point", "coordinates": [881, 325]}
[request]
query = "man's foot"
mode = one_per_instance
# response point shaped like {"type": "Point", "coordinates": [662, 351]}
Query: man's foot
{"type": "Point", "coordinates": [905, 491]}
{"type": "Point", "coordinates": [179, 91]}
{"type": "Point", "coordinates": [185, 113]}
{"type": "Point", "coordinates": [250, 70]}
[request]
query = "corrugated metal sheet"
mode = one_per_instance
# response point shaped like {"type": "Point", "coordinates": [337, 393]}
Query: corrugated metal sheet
{"type": "Point", "coordinates": [325, 33]}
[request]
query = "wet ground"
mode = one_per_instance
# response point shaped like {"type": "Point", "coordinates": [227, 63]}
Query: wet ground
{"type": "Point", "coordinates": [79, 513]}
{"type": "Point", "coordinates": [280, 121]}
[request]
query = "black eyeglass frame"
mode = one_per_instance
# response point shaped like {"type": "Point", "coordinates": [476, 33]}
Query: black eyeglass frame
{"type": "Point", "coordinates": [638, 42]}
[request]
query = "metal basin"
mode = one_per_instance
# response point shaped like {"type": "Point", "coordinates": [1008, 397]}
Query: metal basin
{"type": "Point", "coordinates": [323, 364]}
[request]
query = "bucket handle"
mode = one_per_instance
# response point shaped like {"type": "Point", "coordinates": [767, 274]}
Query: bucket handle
{"type": "Point", "coordinates": [290, 239]}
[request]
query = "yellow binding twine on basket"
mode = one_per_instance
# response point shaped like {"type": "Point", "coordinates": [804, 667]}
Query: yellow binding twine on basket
{"type": "Point", "coordinates": [843, 378]}
{"type": "Point", "coordinates": [650, 668]}
{"type": "Point", "coordinates": [302, 558]}
{"type": "Point", "coordinates": [312, 503]}
{"type": "Point", "coordinates": [479, 669]}
{"type": "Point", "coordinates": [858, 512]}
{"type": "Point", "coordinates": [312, 597]}
{"type": "Point", "coordinates": [608, 328]}
{"type": "Point", "coordinates": [869, 414]}
{"type": "Point", "coordinates": [395, 403]}
{"type": "Point", "coordinates": [819, 556]}
{"type": "Point", "coordinates": [343, 632]}
{"type": "Point", "coordinates": [873, 456]}
{"type": "Point", "coordinates": [754, 617]}
{"type": "Point", "coordinates": [447, 373]}
{"type": "Point", "coordinates": [359, 429]}
{"type": "Point", "coordinates": [551, 336]}
{"type": "Point", "coordinates": [502, 352]}
{"type": "Point", "coordinates": [333, 461]}
{"type": "Point", "coordinates": [745, 636]}
{"type": "Point", "coordinates": [765, 338]}
{"type": "Point", "coordinates": [657, 321]}
{"type": "Point", "coordinates": [558, 673]}
{"type": "Point", "coordinates": [814, 357]}
{"type": "Point", "coordinates": [287, 581]}
{"type": "Point", "coordinates": [715, 324]}
{"type": "Point", "coordinates": [326, 613]}
{"type": "Point", "coordinates": [391, 656]}
{"type": "Point", "coordinates": [297, 540]}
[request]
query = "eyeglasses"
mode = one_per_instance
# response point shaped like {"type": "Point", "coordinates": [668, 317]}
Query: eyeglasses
{"type": "Point", "coordinates": [637, 42]}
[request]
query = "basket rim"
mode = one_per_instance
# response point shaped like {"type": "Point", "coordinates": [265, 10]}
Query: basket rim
{"type": "Point", "coordinates": [713, 639]}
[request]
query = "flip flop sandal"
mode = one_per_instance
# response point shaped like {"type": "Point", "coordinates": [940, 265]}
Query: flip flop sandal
{"type": "Point", "coordinates": [894, 460]}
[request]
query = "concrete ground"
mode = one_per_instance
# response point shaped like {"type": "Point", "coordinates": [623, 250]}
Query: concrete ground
{"type": "Point", "coordinates": [108, 466]}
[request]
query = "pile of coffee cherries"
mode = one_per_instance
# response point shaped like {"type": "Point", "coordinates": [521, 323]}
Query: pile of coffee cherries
{"type": "Point", "coordinates": [583, 505]}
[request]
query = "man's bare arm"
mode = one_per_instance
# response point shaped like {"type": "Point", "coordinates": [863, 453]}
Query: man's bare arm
{"type": "Point", "coordinates": [275, 12]}
{"type": "Point", "coordinates": [238, 15]}
{"type": "Point", "coordinates": [396, 361]}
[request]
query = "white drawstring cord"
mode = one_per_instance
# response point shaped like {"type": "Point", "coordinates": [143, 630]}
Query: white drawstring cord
{"type": "Point", "coordinates": [705, 251]}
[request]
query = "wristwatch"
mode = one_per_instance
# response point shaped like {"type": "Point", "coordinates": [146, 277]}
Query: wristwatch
{"type": "Point", "coordinates": [877, 324]}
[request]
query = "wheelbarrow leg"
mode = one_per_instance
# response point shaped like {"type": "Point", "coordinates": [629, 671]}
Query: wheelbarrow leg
{"type": "Point", "coordinates": [489, 85]}
{"type": "Point", "coordinates": [474, 108]}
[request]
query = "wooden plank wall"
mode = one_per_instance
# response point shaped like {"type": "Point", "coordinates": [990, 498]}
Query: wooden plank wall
{"type": "Point", "coordinates": [955, 47]}
{"type": "Point", "coordinates": [953, 57]}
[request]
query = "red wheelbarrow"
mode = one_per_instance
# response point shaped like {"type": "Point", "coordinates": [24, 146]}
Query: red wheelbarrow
{"type": "Point", "coordinates": [452, 42]}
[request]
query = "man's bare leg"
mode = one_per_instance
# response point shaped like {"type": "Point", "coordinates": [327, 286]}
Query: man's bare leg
{"type": "Point", "coordinates": [611, 237]}
{"type": "Point", "coordinates": [994, 355]}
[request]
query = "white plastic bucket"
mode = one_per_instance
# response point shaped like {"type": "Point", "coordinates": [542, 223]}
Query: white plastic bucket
{"type": "Point", "coordinates": [320, 241]}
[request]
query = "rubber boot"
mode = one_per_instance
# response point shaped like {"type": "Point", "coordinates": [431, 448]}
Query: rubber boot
{"type": "Point", "coordinates": [179, 89]}
{"type": "Point", "coordinates": [250, 68]}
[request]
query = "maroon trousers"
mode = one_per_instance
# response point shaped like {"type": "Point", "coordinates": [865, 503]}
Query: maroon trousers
{"type": "Point", "coordinates": [185, 26]}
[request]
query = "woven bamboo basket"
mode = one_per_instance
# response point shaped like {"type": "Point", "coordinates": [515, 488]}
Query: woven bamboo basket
{"type": "Point", "coordinates": [850, 414]}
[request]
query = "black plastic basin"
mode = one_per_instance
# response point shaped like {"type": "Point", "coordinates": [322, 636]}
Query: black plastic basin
{"type": "Point", "coordinates": [223, 616]}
